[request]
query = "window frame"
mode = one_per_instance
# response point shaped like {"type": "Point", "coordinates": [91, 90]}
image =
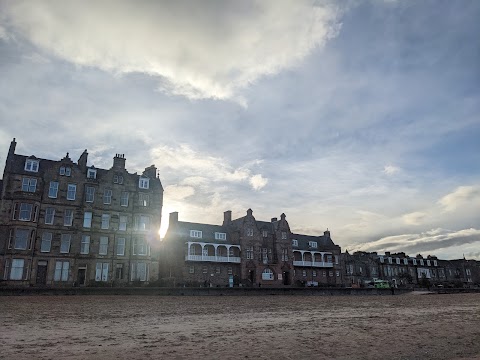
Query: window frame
{"type": "Point", "coordinates": [49, 215]}
{"type": "Point", "coordinates": [53, 190]}
{"type": "Point", "coordinates": [91, 173]}
{"type": "Point", "coordinates": [121, 242]}
{"type": "Point", "coordinates": [124, 199]}
{"type": "Point", "coordinates": [31, 165]}
{"type": "Point", "coordinates": [197, 234]}
{"type": "Point", "coordinates": [89, 194]}
{"type": "Point", "coordinates": [65, 242]}
{"type": "Point", "coordinates": [87, 220]}
{"type": "Point", "coordinates": [85, 245]}
{"type": "Point", "coordinates": [17, 245]}
{"type": "Point", "coordinates": [68, 217]}
{"type": "Point", "coordinates": [18, 270]}
{"type": "Point", "coordinates": [105, 222]}
{"type": "Point", "coordinates": [46, 239]}
{"type": "Point", "coordinates": [103, 245]}
{"type": "Point", "coordinates": [29, 184]}
{"type": "Point", "coordinates": [220, 236]}
{"type": "Point", "coordinates": [70, 192]}
{"type": "Point", "coordinates": [107, 196]}
{"type": "Point", "coordinates": [143, 183]}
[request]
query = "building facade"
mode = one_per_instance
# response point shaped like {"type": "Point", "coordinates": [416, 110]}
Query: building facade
{"type": "Point", "coordinates": [249, 252]}
{"type": "Point", "coordinates": [64, 223]}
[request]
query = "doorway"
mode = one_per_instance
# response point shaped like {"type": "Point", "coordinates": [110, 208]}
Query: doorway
{"type": "Point", "coordinates": [42, 273]}
{"type": "Point", "coordinates": [286, 278]}
{"type": "Point", "coordinates": [82, 276]}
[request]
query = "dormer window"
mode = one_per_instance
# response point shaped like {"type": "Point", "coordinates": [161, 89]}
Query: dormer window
{"type": "Point", "coordinates": [144, 183]}
{"type": "Point", "coordinates": [62, 170]}
{"type": "Point", "coordinates": [264, 233]}
{"type": "Point", "coordinates": [220, 236]}
{"type": "Point", "coordinates": [284, 235]}
{"type": "Point", "coordinates": [249, 232]}
{"type": "Point", "coordinates": [405, 261]}
{"type": "Point", "coordinates": [31, 165]}
{"type": "Point", "coordinates": [294, 242]}
{"type": "Point", "coordinates": [196, 234]}
{"type": "Point", "coordinates": [91, 173]}
{"type": "Point", "coordinates": [65, 170]}
{"type": "Point", "coordinates": [414, 261]}
{"type": "Point", "coordinates": [312, 244]}
{"type": "Point", "coordinates": [120, 179]}
{"type": "Point", "coordinates": [398, 261]}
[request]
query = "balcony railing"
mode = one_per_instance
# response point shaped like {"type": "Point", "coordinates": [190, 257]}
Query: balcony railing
{"type": "Point", "coordinates": [321, 264]}
{"type": "Point", "coordinates": [227, 259]}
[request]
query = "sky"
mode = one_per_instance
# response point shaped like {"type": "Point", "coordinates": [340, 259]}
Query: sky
{"type": "Point", "coordinates": [362, 117]}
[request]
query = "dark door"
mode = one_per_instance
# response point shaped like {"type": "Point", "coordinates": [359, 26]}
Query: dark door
{"type": "Point", "coordinates": [286, 278]}
{"type": "Point", "coordinates": [251, 276]}
{"type": "Point", "coordinates": [81, 276]}
{"type": "Point", "coordinates": [42, 273]}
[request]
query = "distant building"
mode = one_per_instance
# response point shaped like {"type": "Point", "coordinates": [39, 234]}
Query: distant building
{"type": "Point", "coordinates": [247, 252]}
{"type": "Point", "coordinates": [64, 223]}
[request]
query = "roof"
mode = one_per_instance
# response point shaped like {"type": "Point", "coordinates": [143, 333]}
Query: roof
{"type": "Point", "coordinates": [323, 242]}
{"type": "Point", "coordinates": [208, 230]}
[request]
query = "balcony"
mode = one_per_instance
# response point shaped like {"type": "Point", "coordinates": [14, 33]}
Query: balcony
{"type": "Point", "coordinates": [224, 259]}
{"type": "Point", "coordinates": [320, 264]}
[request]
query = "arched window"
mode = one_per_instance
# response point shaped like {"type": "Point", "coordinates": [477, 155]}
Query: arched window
{"type": "Point", "coordinates": [267, 274]}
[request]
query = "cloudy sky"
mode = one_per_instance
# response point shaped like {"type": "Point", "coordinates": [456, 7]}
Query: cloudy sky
{"type": "Point", "coordinates": [359, 116]}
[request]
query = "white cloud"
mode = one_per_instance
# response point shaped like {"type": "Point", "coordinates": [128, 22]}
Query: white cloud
{"type": "Point", "coordinates": [461, 196]}
{"type": "Point", "coordinates": [178, 192]}
{"type": "Point", "coordinates": [202, 49]}
{"type": "Point", "coordinates": [258, 181]}
{"type": "Point", "coordinates": [391, 170]}
{"type": "Point", "coordinates": [414, 218]}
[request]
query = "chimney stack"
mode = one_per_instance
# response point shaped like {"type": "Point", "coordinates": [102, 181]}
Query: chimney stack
{"type": "Point", "coordinates": [173, 219]}
{"type": "Point", "coordinates": [119, 162]}
{"type": "Point", "coordinates": [82, 160]}
{"type": "Point", "coordinates": [227, 217]}
{"type": "Point", "coordinates": [274, 220]}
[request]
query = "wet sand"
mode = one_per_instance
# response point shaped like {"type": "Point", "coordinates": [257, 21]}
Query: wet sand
{"type": "Point", "coordinates": [240, 327]}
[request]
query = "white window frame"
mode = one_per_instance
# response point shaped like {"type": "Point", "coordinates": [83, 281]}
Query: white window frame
{"type": "Point", "coordinates": [71, 191]}
{"type": "Point", "coordinates": [49, 215]}
{"type": "Point", "coordinates": [85, 245]}
{"type": "Point", "coordinates": [89, 194]}
{"type": "Point", "coordinates": [304, 273]}
{"type": "Point", "coordinates": [61, 171]}
{"type": "Point", "coordinates": [249, 251]}
{"type": "Point", "coordinates": [105, 221]}
{"type": "Point", "coordinates": [31, 165]}
{"type": "Point", "coordinates": [120, 179]}
{"type": "Point", "coordinates": [124, 199]}
{"type": "Point", "coordinates": [62, 269]}
{"type": "Point", "coordinates": [397, 260]}
{"type": "Point", "coordinates": [91, 173]}
{"type": "Point", "coordinates": [53, 190]}
{"type": "Point", "coordinates": [120, 250]}
{"type": "Point", "coordinates": [65, 242]}
{"type": "Point", "coordinates": [29, 184]}
{"type": "Point", "coordinates": [220, 236]}
{"type": "Point", "coordinates": [143, 199]}
{"type": "Point", "coordinates": [136, 269]}
{"type": "Point", "coordinates": [191, 269]}
{"type": "Point", "coordinates": [428, 262]}
{"type": "Point", "coordinates": [87, 219]}
{"type": "Point", "coordinates": [122, 224]}
{"type": "Point", "coordinates": [16, 271]}
{"type": "Point", "coordinates": [405, 261]}
{"type": "Point", "coordinates": [140, 247]}
{"type": "Point", "coordinates": [196, 234]}
{"type": "Point", "coordinates": [107, 196]}
{"type": "Point", "coordinates": [421, 262]}
{"type": "Point", "coordinates": [435, 263]}
{"type": "Point", "coordinates": [284, 235]}
{"type": "Point", "coordinates": [143, 183]}
{"type": "Point", "coordinates": [68, 171]}
{"type": "Point", "coordinates": [103, 245]}
{"type": "Point", "coordinates": [267, 274]}
{"type": "Point", "coordinates": [19, 241]}
{"type": "Point", "coordinates": [25, 213]}
{"type": "Point", "coordinates": [294, 242]}
{"type": "Point", "coordinates": [46, 243]}
{"type": "Point", "coordinates": [313, 244]}
{"type": "Point", "coordinates": [249, 232]}
{"type": "Point", "coordinates": [142, 222]}
{"type": "Point", "coordinates": [101, 271]}
{"type": "Point", "coordinates": [414, 261]}
{"type": "Point", "coordinates": [68, 217]}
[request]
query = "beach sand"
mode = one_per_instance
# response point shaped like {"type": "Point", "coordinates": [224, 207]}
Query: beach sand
{"type": "Point", "coordinates": [241, 327]}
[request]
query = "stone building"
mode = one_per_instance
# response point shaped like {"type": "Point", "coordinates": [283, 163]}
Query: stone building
{"type": "Point", "coordinates": [248, 252]}
{"type": "Point", "coordinates": [65, 223]}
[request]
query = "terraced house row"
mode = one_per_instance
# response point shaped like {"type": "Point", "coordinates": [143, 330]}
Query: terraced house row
{"type": "Point", "coordinates": [64, 223]}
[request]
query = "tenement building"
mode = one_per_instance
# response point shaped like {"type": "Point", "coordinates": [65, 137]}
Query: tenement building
{"type": "Point", "coordinates": [67, 223]}
{"type": "Point", "coordinates": [247, 252]}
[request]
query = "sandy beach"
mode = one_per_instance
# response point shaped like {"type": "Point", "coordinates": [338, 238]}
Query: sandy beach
{"type": "Point", "coordinates": [257, 327]}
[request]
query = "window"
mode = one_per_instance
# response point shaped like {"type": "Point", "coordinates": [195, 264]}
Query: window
{"type": "Point", "coordinates": [89, 193]}
{"type": "Point", "coordinates": [53, 189]}
{"type": "Point", "coordinates": [16, 272]}
{"type": "Point", "coordinates": [62, 170]}
{"type": "Point", "coordinates": [91, 173]}
{"type": "Point", "coordinates": [428, 262]}
{"type": "Point", "coordinates": [61, 271]}
{"type": "Point", "coordinates": [68, 218]}
{"type": "Point", "coordinates": [284, 235]}
{"type": "Point", "coordinates": [107, 196]}
{"type": "Point", "coordinates": [284, 254]}
{"type": "Point", "coordinates": [46, 243]}
{"type": "Point", "coordinates": [314, 273]}
{"type": "Point", "coordinates": [87, 219]}
{"type": "Point", "coordinates": [267, 274]}
{"type": "Point", "coordinates": [115, 179]}
{"type": "Point", "coordinates": [381, 259]}
{"type": "Point", "coordinates": [220, 236]}
{"type": "Point", "coordinates": [249, 232]}
{"type": "Point", "coordinates": [196, 234]}
{"type": "Point", "coordinates": [49, 216]}
{"type": "Point", "coordinates": [103, 248]}
{"type": "Point", "coordinates": [105, 221]}
{"type": "Point", "coordinates": [139, 271]}
{"type": "Point", "coordinates": [71, 191]}
{"type": "Point", "coordinates": [294, 242]}
{"type": "Point", "coordinates": [397, 261]}
{"type": "Point", "coordinates": [143, 183]}
{"type": "Point", "coordinates": [217, 270]}
{"type": "Point", "coordinates": [65, 243]}
{"type": "Point", "coordinates": [338, 273]}
{"type": "Point", "coordinates": [304, 272]}
{"type": "Point", "coordinates": [330, 273]}
{"type": "Point", "coordinates": [29, 184]}
{"type": "Point", "coordinates": [231, 252]}
{"type": "Point", "coordinates": [120, 179]}
{"type": "Point", "coordinates": [21, 239]}
{"type": "Point", "coordinates": [249, 252]}
{"type": "Point", "coordinates": [405, 261]}
{"type": "Point", "coordinates": [68, 171]}
{"type": "Point", "coordinates": [142, 223]}
{"type": "Point", "coordinates": [122, 225]}
{"type": "Point", "coordinates": [421, 262]}
{"type": "Point", "coordinates": [31, 165]}
{"type": "Point", "coordinates": [191, 269]}
{"type": "Point", "coordinates": [204, 270]}
{"type": "Point", "coordinates": [25, 212]}
{"type": "Point", "coordinates": [101, 272]}
{"type": "Point", "coordinates": [124, 199]}
{"type": "Point", "coordinates": [119, 272]}
{"type": "Point", "coordinates": [229, 271]}
{"type": "Point", "coordinates": [85, 245]}
{"type": "Point", "coordinates": [264, 233]}
{"type": "Point", "coordinates": [336, 259]}
{"type": "Point", "coordinates": [435, 263]}
{"type": "Point", "coordinates": [120, 246]}
{"type": "Point", "coordinates": [414, 261]}
{"type": "Point", "coordinates": [324, 274]}
{"type": "Point", "coordinates": [143, 199]}
{"type": "Point", "coordinates": [140, 247]}
{"type": "Point", "coordinates": [390, 260]}
{"type": "Point", "coordinates": [312, 244]}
